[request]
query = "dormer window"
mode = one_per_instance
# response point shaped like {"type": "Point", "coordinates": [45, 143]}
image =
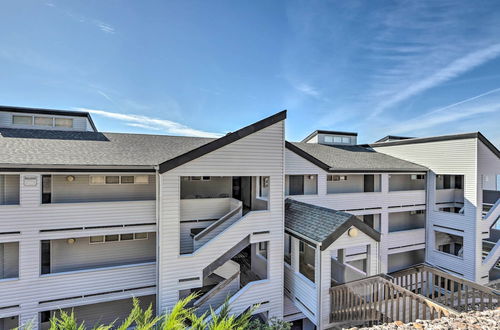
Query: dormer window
{"type": "Point", "coordinates": [22, 120]}
{"type": "Point", "coordinates": [42, 121]}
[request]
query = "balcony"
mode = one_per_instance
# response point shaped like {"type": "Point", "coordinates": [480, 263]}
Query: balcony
{"type": "Point", "coordinates": [298, 185]}
{"type": "Point", "coordinates": [9, 189]}
{"type": "Point", "coordinates": [409, 220]}
{"type": "Point", "coordinates": [342, 184]}
{"type": "Point", "coordinates": [61, 189]}
{"type": "Point", "coordinates": [90, 253]}
{"type": "Point", "coordinates": [406, 182]}
{"type": "Point", "coordinates": [450, 193]}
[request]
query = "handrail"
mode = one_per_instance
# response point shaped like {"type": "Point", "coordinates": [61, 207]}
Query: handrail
{"type": "Point", "coordinates": [492, 209]}
{"type": "Point", "coordinates": [216, 289]}
{"type": "Point", "coordinates": [217, 223]}
{"type": "Point", "coordinates": [450, 290]}
{"type": "Point", "coordinates": [443, 274]}
{"type": "Point", "coordinates": [376, 298]}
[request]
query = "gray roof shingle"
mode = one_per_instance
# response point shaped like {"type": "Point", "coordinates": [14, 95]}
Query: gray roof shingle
{"type": "Point", "coordinates": [44, 147]}
{"type": "Point", "coordinates": [352, 158]}
{"type": "Point", "coordinates": [320, 224]}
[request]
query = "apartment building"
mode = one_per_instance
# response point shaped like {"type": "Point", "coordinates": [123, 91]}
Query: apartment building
{"type": "Point", "coordinates": [89, 220]}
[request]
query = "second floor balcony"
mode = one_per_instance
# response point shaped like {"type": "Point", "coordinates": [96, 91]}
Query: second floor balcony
{"type": "Point", "coordinates": [58, 189]}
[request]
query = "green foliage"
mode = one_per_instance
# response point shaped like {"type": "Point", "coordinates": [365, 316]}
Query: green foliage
{"type": "Point", "coordinates": [180, 317]}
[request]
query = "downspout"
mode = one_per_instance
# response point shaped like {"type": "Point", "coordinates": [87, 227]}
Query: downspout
{"type": "Point", "coordinates": [318, 286]}
{"type": "Point", "coordinates": [158, 239]}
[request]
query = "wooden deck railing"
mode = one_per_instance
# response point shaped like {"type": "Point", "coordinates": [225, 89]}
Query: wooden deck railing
{"type": "Point", "coordinates": [452, 291]}
{"type": "Point", "coordinates": [377, 299]}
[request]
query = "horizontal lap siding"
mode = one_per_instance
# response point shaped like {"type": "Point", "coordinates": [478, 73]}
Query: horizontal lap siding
{"type": "Point", "coordinates": [259, 154]}
{"type": "Point", "coordinates": [81, 190]}
{"type": "Point", "coordinates": [30, 217]}
{"type": "Point", "coordinates": [83, 255]}
{"type": "Point", "coordinates": [303, 290]}
{"type": "Point", "coordinates": [454, 157]}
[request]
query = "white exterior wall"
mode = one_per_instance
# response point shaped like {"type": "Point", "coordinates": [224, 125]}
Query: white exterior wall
{"type": "Point", "coordinates": [30, 222]}
{"type": "Point", "coordinates": [454, 157]}
{"type": "Point", "coordinates": [384, 203]}
{"type": "Point", "coordinates": [259, 154]}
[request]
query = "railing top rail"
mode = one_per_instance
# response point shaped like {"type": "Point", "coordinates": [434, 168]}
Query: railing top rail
{"type": "Point", "coordinates": [218, 222]}
{"type": "Point", "coordinates": [436, 271]}
{"type": "Point", "coordinates": [379, 279]}
{"type": "Point", "coordinates": [215, 290]}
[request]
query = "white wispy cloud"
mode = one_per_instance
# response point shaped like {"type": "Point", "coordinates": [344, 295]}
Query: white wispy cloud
{"type": "Point", "coordinates": [146, 122]}
{"type": "Point", "coordinates": [307, 89]}
{"type": "Point", "coordinates": [105, 27]}
{"type": "Point", "coordinates": [453, 70]}
{"type": "Point", "coordinates": [461, 110]}
{"type": "Point", "coordinates": [106, 96]}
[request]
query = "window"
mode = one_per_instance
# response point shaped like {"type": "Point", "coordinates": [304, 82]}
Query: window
{"type": "Point", "coordinates": [126, 237]}
{"type": "Point", "coordinates": [112, 238]}
{"type": "Point", "coordinates": [97, 179]}
{"type": "Point", "coordinates": [112, 179]}
{"type": "Point", "coordinates": [205, 178]}
{"type": "Point", "coordinates": [328, 139]}
{"type": "Point", "coordinates": [141, 236]}
{"type": "Point", "coordinates": [141, 179]}
{"type": "Point", "coordinates": [417, 177]}
{"type": "Point", "coordinates": [22, 120]}
{"type": "Point", "coordinates": [44, 121]}
{"type": "Point", "coordinates": [45, 316]}
{"type": "Point", "coordinates": [46, 189]}
{"type": "Point", "coordinates": [117, 179]}
{"type": "Point", "coordinates": [117, 238]}
{"type": "Point", "coordinates": [336, 178]}
{"type": "Point", "coordinates": [96, 239]}
{"type": "Point", "coordinates": [346, 140]}
{"type": "Point", "coordinates": [128, 179]}
{"type": "Point", "coordinates": [337, 139]}
{"type": "Point", "coordinates": [449, 243]}
{"type": "Point", "coordinates": [195, 178]}
{"type": "Point", "coordinates": [64, 122]}
{"type": "Point", "coordinates": [417, 212]}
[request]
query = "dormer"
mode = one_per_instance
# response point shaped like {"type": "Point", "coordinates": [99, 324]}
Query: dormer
{"type": "Point", "coordinates": [332, 138]}
{"type": "Point", "coordinates": [46, 119]}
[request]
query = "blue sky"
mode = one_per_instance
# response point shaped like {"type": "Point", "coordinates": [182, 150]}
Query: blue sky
{"type": "Point", "coordinates": [413, 68]}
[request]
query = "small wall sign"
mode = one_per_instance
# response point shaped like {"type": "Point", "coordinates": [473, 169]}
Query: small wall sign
{"type": "Point", "coordinates": [30, 181]}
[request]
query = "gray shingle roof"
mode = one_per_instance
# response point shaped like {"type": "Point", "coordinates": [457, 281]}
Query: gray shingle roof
{"type": "Point", "coordinates": [44, 147]}
{"type": "Point", "coordinates": [352, 158]}
{"type": "Point", "coordinates": [321, 224]}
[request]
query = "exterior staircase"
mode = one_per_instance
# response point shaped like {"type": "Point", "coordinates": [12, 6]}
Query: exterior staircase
{"type": "Point", "coordinates": [419, 292]}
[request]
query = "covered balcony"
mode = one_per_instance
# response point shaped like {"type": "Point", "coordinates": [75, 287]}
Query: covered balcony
{"type": "Point", "coordinates": [372, 220]}
{"type": "Point", "coordinates": [102, 313]}
{"type": "Point", "coordinates": [96, 252]}
{"type": "Point", "coordinates": [11, 322]}
{"type": "Point", "coordinates": [297, 185]}
{"type": "Point", "coordinates": [450, 193]}
{"type": "Point", "coordinates": [9, 189]}
{"type": "Point", "coordinates": [9, 260]}
{"type": "Point", "coordinates": [449, 243]}
{"type": "Point", "coordinates": [402, 260]}
{"type": "Point", "coordinates": [406, 182]}
{"type": "Point", "coordinates": [58, 189]}
{"type": "Point", "coordinates": [409, 220]}
{"type": "Point", "coordinates": [349, 264]}
{"type": "Point", "coordinates": [353, 183]}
